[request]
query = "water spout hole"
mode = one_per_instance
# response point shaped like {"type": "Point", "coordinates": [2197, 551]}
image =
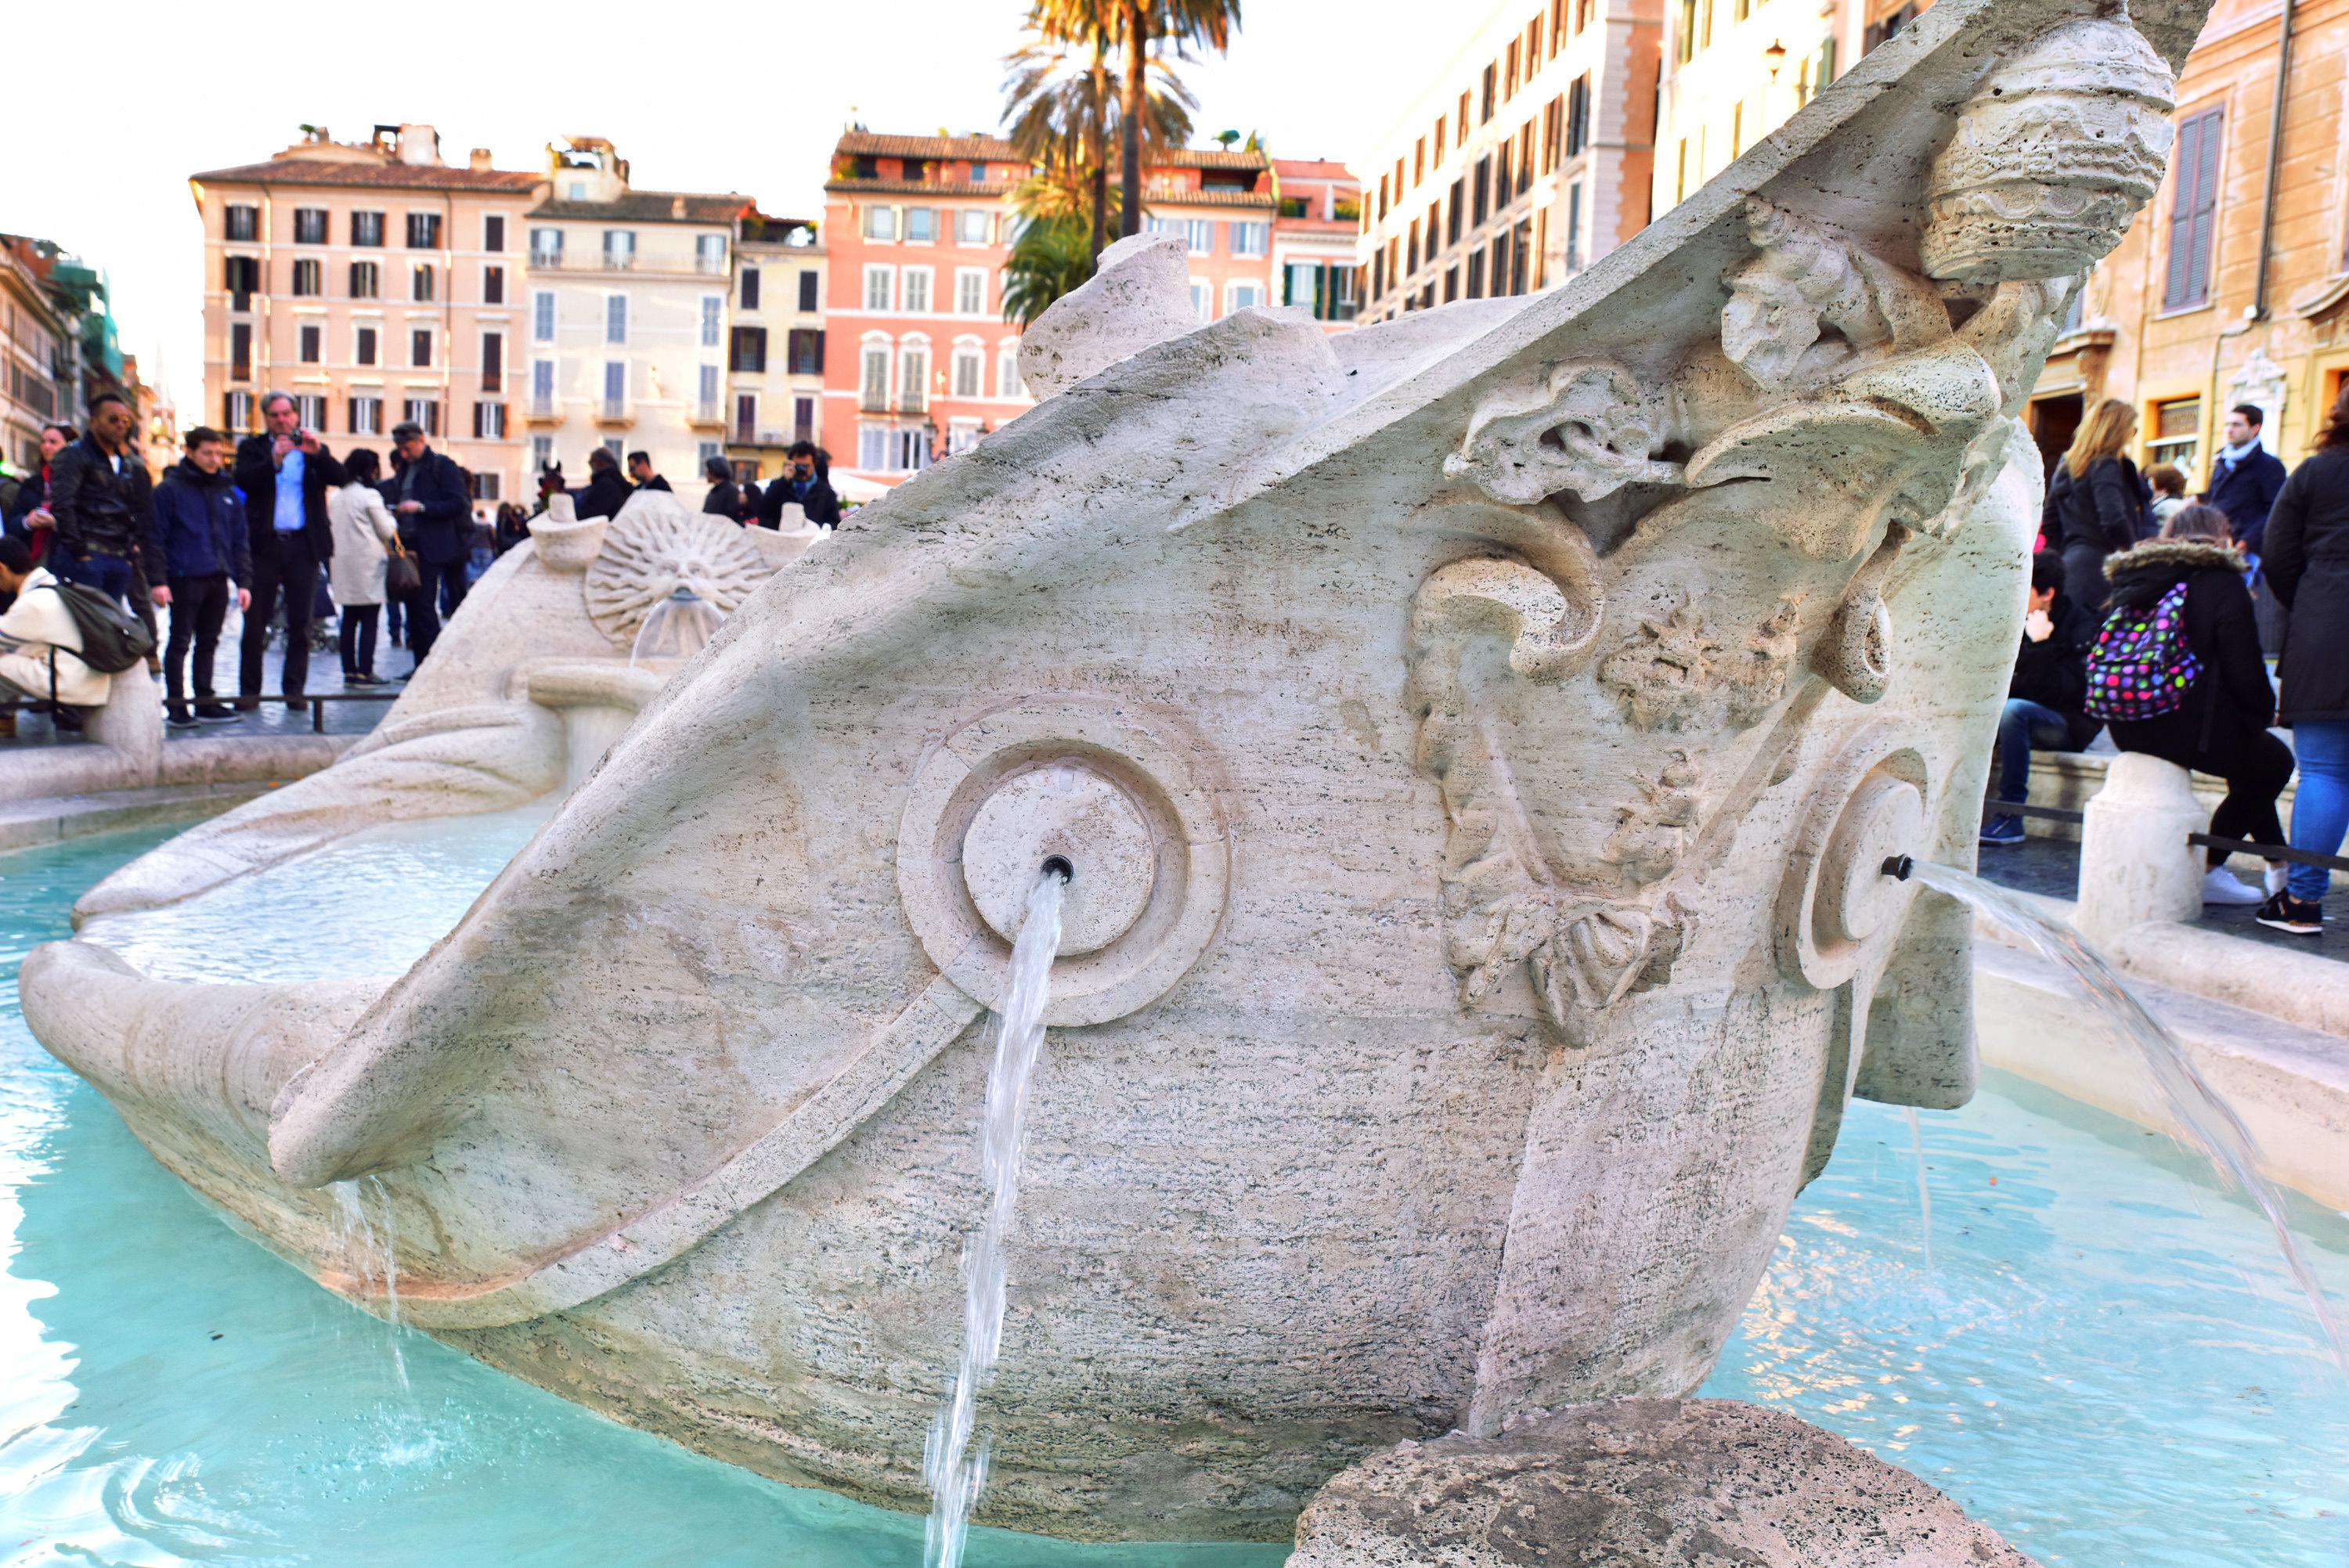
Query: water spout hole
{"type": "Point", "coordinates": [1058, 866]}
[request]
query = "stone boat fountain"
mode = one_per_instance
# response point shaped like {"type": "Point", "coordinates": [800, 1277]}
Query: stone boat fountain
{"type": "Point", "coordinates": [1475, 740]}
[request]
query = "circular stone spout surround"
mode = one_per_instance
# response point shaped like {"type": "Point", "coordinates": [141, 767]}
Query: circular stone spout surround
{"type": "Point", "coordinates": [1089, 780]}
{"type": "Point", "coordinates": [1067, 812]}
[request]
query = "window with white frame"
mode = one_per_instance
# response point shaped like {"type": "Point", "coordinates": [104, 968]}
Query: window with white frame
{"type": "Point", "coordinates": [542, 453]}
{"type": "Point", "coordinates": [747, 284]}
{"type": "Point", "coordinates": [1006, 372]}
{"type": "Point", "coordinates": [236, 409]}
{"type": "Point", "coordinates": [1202, 299]}
{"type": "Point", "coordinates": [877, 286]}
{"type": "Point", "coordinates": [1243, 295]}
{"type": "Point", "coordinates": [311, 343]}
{"type": "Point", "coordinates": [489, 421]}
{"type": "Point", "coordinates": [910, 450]}
{"type": "Point", "coordinates": [542, 317]}
{"type": "Point", "coordinates": [970, 225]}
{"type": "Point", "coordinates": [542, 385]}
{"type": "Point", "coordinates": [709, 389]}
{"type": "Point", "coordinates": [613, 444]}
{"type": "Point", "coordinates": [619, 249]}
{"type": "Point", "coordinates": [710, 253]}
{"type": "Point", "coordinates": [962, 435]}
{"type": "Point", "coordinates": [968, 367]}
{"type": "Point", "coordinates": [872, 447]}
{"type": "Point", "coordinates": [970, 291]}
{"type": "Point", "coordinates": [363, 340]}
{"type": "Point", "coordinates": [1200, 234]}
{"type": "Point", "coordinates": [880, 223]}
{"type": "Point", "coordinates": [917, 291]}
{"type": "Point", "coordinates": [712, 306]}
{"type": "Point", "coordinates": [616, 319]}
{"type": "Point", "coordinates": [702, 452]}
{"type": "Point", "coordinates": [616, 386]}
{"type": "Point", "coordinates": [310, 408]}
{"type": "Point", "coordinates": [423, 411]}
{"type": "Point", "coordinates": [914, 378]}
{"type": "Point", "coordinates": [876, 383]}
{"type": "Point", "coordinates": [485, 485]}
{"type": "Point", "coordinates": [1251, 239]}
{"type": "Point", "coordinates": [546, 247]}
{"type": "Point", "coordinates": [921, 225]}
{"type": "Point", "coordinates": [366, 416]}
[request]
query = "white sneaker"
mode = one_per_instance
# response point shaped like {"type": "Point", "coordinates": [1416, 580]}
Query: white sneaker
{"type": "Point", "coordinates": [2220, 885]}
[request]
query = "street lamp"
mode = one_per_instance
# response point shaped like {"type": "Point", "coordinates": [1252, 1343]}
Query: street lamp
{"type": "Point", "coordinates": [1776, 56]}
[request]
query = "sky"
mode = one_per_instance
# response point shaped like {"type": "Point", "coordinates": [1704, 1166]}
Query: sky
{"type": "Point", "coordinates": [748, 99]}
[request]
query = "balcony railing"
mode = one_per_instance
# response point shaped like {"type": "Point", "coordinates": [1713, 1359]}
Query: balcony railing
{"type": "Point", "coordinates": [874, 400]}
{"type": "Point", "coordinates": [914, 402]}
{"type": "Point", "coordinates": [709, 265]}
{"type": "Point", "coordinates": [613, 410]}
{"type": "Point", "coordinates": [547, 259]}
{"type": "Point", "coordinates": [619, 261]}
{"type": "Point", "coordinates": [708, 412]}
{"type": "Point", "coordinates": [542, 409]}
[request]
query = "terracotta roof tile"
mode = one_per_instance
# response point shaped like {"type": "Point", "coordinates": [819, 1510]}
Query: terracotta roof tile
{"type": "Point", "coordinates": [653, 207]}
{"type": "Point", "coordinates": [873, 144]}
{"type": "Point", "coordinates": [385, 176]}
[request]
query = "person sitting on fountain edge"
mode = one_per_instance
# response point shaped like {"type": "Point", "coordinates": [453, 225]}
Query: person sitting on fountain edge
{"type": "Point", "coordinates": [2220, 727]}
{"type": "Point", "coordinates": [2046, 694]}
{"type": "Point", "coordinates": [39, 645]}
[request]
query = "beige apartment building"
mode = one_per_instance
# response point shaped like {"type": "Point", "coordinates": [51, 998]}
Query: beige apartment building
{"type": "Point", "coordinates": [1528, 156]}
{"type": "Point", "coordinates": [1319, 211]}
{"type": "Point", "coordinates": [774, 344]}
{"type": "Point", "coordinates": [628, 314]}
{"type": "Point", "coordinates": [1734, 70]}
{"type": "Point", "coordinates": [374, 283]}
{"type": "Point", "coordinates": [36, 357]}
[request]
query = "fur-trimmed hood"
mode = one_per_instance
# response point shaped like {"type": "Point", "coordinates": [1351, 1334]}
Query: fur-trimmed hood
{"type": "Point", "coordinates": [2172, 556]}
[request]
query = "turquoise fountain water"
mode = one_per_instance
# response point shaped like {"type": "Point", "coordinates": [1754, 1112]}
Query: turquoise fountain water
{"type": "Point", "coordinates": [2102, 1357]}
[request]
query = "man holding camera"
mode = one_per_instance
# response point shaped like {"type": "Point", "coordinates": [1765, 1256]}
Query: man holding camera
{"type": "Point", "coordinates": [285, 472]}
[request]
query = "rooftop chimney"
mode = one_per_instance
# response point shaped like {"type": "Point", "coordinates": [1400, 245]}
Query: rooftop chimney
{"type": "Point", "coordinates": [676, 206]}
{"type": "Point", "coordinates": [419, 145]}
{"type": "Point", "coordinates": [479, 160]}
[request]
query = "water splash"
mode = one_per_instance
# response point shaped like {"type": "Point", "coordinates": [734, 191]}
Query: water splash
{"type": "Point", "coordinates": [1924, 1191]}
{"type": "Point", "coordinates": [366, 1234]}
{"type": "Point", "coordinates": [955, 1471]}
{"type": "Point", "coordinates": [2212, 1124]}
{"type": "Point", "coordinates": [676, 628]}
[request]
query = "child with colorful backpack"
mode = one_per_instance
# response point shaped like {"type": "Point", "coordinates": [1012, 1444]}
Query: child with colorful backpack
{"type": "Point", "coordinates": [2176, 673]}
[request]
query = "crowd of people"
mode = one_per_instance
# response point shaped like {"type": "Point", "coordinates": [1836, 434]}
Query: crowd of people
{"type": "Point", "coordinates": [2151, 615]}
{"type": "Point", "coordinates": [279, 526]}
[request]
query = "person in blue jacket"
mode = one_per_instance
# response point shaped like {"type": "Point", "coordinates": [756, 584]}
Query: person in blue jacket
{"type": "Point", "coordinates": [201, 553]}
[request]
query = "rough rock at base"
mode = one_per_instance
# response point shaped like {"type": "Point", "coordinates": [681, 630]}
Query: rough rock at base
{"type": "Point", "coordinates": [1641, 1484]}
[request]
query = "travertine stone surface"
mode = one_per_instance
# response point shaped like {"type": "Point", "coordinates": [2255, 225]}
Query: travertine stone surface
{"type": "Point", "coordinates": [1641, 1484]}
{"type": "Point", "coordinates": [1481, 728]}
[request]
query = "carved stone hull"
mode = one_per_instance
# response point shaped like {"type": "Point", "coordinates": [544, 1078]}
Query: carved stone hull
{"type": "Point", "coordinates": [1477, 739]}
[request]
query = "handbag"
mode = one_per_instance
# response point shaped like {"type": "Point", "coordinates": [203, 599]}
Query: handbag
{"type": "Point", "coordinates": [400, 577]}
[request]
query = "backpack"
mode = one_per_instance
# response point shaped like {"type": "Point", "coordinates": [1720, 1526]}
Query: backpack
{"type": "Point", "coordinates": [112, 639]}
{"type": "Point", "coordinates": [2140, 666]}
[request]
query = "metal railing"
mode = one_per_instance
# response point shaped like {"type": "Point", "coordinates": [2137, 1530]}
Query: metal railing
{"type": "Point", "coordinates": [551, 259]}
{"type": "Point", "coordinates": [2232, 846]}
{"type": "Point", "coordinates": [613, 408]}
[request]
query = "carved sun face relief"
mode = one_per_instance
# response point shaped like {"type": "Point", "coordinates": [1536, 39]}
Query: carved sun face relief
{"type": "Point", "coordinates": [651, 551]}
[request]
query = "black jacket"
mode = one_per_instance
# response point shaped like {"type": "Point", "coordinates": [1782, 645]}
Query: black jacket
{"type": "Point", "coordinates": [2231, 701]}
{"type": "Point", "coordinates": [2246, 492]}
{"type": "Point", "coordinates": [2053, 673]}
{"type": "Point", "coordinates": [2103, 508]}
{"type": "Point", "coordinates": [101, 511]}
{"type": "Point", "coordinates": [603, 496]}
{"type": "Point", "coordinates": [656, 482]}
{"type": "Point", "coordinates": [2307, 565]}
{"type": "Point", "coordinates": [442, 533]}
{"type": "Point", "coordinates": [257, 476]}
{"type": "Point", "coordinates": [822, 505]}
{"type": "Point", "coordinates": [724, 501]}
{"type": "Point", "coordinates": [199, 528]}
{"type": "Point", "coordinates": [31, 494]}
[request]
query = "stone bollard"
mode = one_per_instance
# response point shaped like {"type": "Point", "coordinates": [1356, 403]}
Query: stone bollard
{"type": "Point", "coordinates": [2135, 863]}
{"type": "Point", "coordinates": [131, 723]}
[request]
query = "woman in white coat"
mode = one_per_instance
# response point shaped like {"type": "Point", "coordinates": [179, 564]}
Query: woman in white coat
{"type": "Point", "coordinates": [365, 534]}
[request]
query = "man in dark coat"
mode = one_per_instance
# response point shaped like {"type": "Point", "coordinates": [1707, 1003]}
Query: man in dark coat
{"type": "Point", "coordinates": [2245, 479]}
{"type": "Point", "coordinates": [640, 468]}
{"type": "Point", "coordinates": [435, 510]}
{"type": "Point", "coordinates": [286, 473]}
{"type": "Point", "coordinates": [606, 492]}
{"type": "Point", "coordinates": [103, 503]}
{"type": "Point", "coordinates": [806, 481]}
{"type": "Point", "coordinates": [2046, 697]}
{"type": "Point", "coordinates": [201, 554]}
{"type": "Point", "coordinates": [724, 499]}
{"type": "Point", "coordinates": [2308, 567]}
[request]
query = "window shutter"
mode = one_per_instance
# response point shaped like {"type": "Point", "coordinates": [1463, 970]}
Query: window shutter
{"type": "Point", "coordinates": [2193, 214]}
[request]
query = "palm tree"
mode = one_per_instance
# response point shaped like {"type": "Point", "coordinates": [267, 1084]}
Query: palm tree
{"type": "Point", "coordinates": [1140, 24]}
{"type": "Point", "coordinates": [1060, 102]}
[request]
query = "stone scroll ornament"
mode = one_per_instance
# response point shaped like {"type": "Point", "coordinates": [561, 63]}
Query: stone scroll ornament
{"type": "Point", "coordinates": [1585, 427]}
{"type": "Point", "coordinates": [1585, 947]}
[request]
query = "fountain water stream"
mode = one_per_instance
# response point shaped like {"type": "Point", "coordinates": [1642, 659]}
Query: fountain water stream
{"type": "Point", "coordinates": [2212, 1124]}
{"type": "Point", "coordinates": [371, 1242]}
{"type": "Point", "coordinates": [1924, 1190]}
{"type": "Point", "coordinates": [955, 1470]}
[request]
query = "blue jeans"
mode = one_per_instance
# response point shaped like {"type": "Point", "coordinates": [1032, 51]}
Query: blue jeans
{"type": "Point", "coordinates": [109, 575]}
{"type": "Point", "coordinates": [2320, 811]}
{"type": "Point", "coordinates": [2023, 725]}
